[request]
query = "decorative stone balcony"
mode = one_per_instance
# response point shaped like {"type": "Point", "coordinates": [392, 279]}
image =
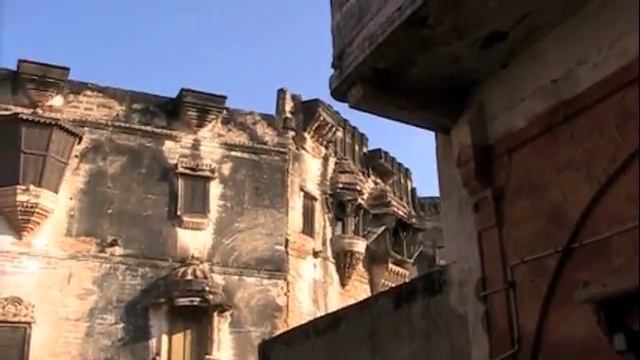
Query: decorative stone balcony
{"type": "Point", "coordinates": [381, 162]}
{"type": "Point", "coordinates": [383, 201]}
{"type": "Point", "coordinates": [348, 252]}
{"type": "Point", "coordinates": [392, 247]}
{"type": "Point", "coordinates": [415, 61]}
{"type": "Point", "coordinates": [347, 179]}
{"type": "Point", "coordinates": [387, 275]}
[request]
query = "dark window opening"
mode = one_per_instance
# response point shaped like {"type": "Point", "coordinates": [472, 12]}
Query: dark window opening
{"type": "Point", "coordinates": [14, 341]}
{"type": "Point", "coordinates": [194, 195]}
{"type": "Point", "coordinates": [339, 218]}
{"type": "Point", "coordinates": [308, 214]}
{"type": "Point", "coordinates": [358, 223]}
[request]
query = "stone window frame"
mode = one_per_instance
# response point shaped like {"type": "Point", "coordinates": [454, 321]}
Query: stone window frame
{"type": "Point", "coordinates": [186, 169]}
{"type": "Point", "coordinates": [16, 312]}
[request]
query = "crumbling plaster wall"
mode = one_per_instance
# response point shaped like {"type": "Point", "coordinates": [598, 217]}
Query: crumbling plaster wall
{"type": "Point", "coordinates": [589, 47]}
{"type": "Point", "coordinates": [313, 284]}
{"type": "Point", "coordinates": [119, 186]}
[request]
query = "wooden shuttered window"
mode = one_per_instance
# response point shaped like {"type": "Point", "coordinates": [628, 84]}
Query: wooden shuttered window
{"type": "Point", "coordinates": [58, 155]}
{"type": "Point", "coordinates": [35, 141]}
{"type": "Point", "coordinates": [9, 153]}
{"type": "Point", "coordinates": [308, 214]}
{"type": "Point", "coordinates": [33, 153]}
{"type": "Point", "coordinates": [194, 195]}
{"type": "Point", "coordinates": [14, 341]}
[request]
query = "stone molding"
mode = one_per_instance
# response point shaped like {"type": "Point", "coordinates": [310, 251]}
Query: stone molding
{"type": "Point", "coordinates": [16, 310]}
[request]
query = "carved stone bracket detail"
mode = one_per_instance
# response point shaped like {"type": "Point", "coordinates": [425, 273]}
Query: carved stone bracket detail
{"type": "Point", "coordinates": [188, 166]}
{"type": "Point", "coordinates": [26, 207]}
{"type": "Point", "coordinates": [16, 310]}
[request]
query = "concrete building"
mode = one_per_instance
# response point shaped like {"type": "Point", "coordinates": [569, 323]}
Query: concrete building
{"type": "Point", "coordinates": [535, 107]}
{"type": "Point", "coordinates": [138, 226]}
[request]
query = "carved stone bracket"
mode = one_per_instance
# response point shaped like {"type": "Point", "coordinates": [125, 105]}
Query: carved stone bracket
{"type": "Point", "coordinates": [321, 122]}
{"type": "Point", "coordinates": [41, 81]}
{"type": "Point", "coordinates": [199, 109]}
{"type": "Point", "coordinates": [16, 310]}
{"type": "Point", "coordinates": [26, 207]}
{"type": "Point", "coordinates": [348, 252]}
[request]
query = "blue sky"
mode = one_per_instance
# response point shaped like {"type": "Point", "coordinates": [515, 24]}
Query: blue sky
{"type": "Point", "coordinates": [245, 49]}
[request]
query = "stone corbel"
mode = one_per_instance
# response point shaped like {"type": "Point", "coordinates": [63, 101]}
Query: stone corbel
{"type": "Point", "coordinates": [198, 109]}
{"type": "Point", "coordinates": [321, 122]}
{"type": "Point", "coordinates": [26, 207]}
{"type": "Point", "coordinates": [41, 82]}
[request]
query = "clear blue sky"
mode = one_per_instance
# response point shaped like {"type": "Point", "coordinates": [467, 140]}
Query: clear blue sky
{"type": "Point", "coordinates": [245, 49]}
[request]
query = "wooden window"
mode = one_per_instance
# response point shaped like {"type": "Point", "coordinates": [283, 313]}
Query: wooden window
{"type": "Point", "coordinates": [308, 214]}
{"type": "Point", "coordinates": [35, 141]}
{"type": "Point", "coordinates": [9, 153]}
{"type": "Point", "coordinates": [193, 195]}
{"type": "Point", "coordinates": [32, 153]}
{"type": "Point", "coordinates": [188, 335]}
{"type": "Point", "coordinates": [58, 155]}
{"type": "Point", "coordinates": [14, 341]}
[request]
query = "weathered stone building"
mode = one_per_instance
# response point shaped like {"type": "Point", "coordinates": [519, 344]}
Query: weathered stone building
{"type": "Point", "coordinates": [535, 106]}
{"type": "Point", "coordinates": [137, 226]}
